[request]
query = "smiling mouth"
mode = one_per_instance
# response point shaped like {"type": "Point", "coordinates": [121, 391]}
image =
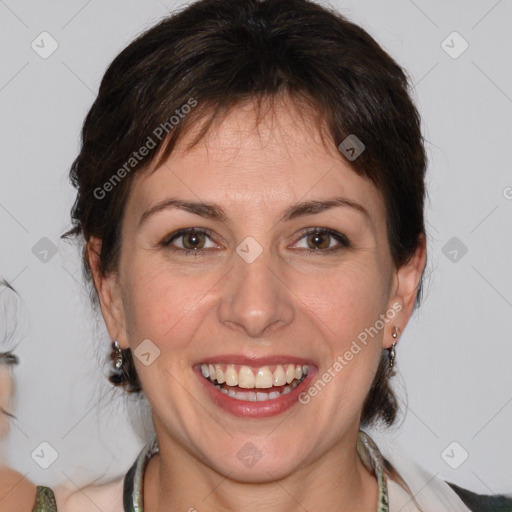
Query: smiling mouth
{"type": "Point", "coordinates": [243, 382]}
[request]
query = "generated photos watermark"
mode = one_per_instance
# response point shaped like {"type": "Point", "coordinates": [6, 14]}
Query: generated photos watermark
{"type": "Point", "coordinates": [355, 347]}
{"type": "Point", "coordinates": [136, 157]}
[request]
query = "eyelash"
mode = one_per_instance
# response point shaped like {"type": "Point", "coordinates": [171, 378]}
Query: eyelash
{"type": "Point", "coordinates": [339, 237]}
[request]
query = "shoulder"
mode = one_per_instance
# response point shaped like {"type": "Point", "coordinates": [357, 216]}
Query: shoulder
{"type": "Point", "coordinates": [483, 502]}
{"type": "Point", "coordinates": [406, 475]}
{"type": "Point", "coordinates": [16, 492]}
{"type": "Point", "coordinates": [106, 497]}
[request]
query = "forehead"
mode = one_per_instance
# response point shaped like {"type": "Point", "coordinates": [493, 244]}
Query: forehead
{"type": "Point", "coordinates": [260, 161]}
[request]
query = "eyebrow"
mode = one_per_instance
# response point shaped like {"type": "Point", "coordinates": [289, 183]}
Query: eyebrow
{"type": "Point", "coordinates": [216, 212]}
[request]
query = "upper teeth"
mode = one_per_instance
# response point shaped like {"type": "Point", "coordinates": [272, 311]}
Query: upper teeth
{"type": "Point", "coordinates": [247, 377]}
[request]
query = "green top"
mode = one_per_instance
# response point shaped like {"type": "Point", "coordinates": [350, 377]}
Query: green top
{"type": "Point", "coordinates": [366, 448]}
{"type": "Point", "coordinates": [133, 480]}
{"type": "Point", "coordinates": [45, 500]}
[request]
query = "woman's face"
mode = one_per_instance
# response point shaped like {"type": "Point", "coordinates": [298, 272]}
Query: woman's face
{"type": "Point", "coordinates": [6, 389]}
{"type": "Point", "coordinates": [260, 292]}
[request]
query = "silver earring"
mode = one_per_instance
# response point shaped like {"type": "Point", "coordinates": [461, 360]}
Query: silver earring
{"type": "Point", "coordinates": [118, 355]}
{"type": "Point", "coordinates": [392, 353]}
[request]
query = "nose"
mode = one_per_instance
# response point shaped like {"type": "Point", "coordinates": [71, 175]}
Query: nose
{"type": "Point", "coordinates": [256, 299]}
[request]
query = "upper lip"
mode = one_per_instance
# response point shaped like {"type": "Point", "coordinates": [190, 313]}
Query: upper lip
{"type": "Point", "coordinates": [255, 361]}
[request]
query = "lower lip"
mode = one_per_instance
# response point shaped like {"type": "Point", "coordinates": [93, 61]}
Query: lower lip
{"type": "Point", "coordinates": [247, 409]}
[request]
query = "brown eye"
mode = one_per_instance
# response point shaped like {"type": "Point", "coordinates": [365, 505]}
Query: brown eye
{"type": "Point", "coordinates": [193, 240]}
{"type": "Point", "coordinates": [189, 241]}
{"type": "Point", "coordinates": [318, 240]}
{"type": "Point", "coordinates": [321, 240]}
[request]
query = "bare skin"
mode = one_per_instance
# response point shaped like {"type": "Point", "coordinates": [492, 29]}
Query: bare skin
{"type": "Point", "coordinates": [16, 492]}
{"type": "Point", "coordinates": [287, 301]}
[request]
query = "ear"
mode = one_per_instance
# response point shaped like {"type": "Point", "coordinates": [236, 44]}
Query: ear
{"type": "Point", "coordinates": [404, 290]}
{"type": "Point", "coordinates": [109, 294]}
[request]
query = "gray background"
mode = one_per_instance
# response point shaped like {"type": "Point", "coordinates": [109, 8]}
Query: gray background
{"type": "Point", "coordinates": [454, 357]}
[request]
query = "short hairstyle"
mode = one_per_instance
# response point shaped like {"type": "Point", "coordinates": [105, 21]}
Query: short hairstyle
{"type": "Point", "coordinates": [198, 64]}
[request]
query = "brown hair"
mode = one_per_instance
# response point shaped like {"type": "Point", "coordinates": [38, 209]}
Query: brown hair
{"type": "Point", "coordinates": [216, 54]}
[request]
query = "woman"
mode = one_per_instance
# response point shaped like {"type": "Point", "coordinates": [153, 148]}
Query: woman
{"type": "Point", "coordinates": [250, 194]}
{"type": "Point", "coordinates": [16, 492]}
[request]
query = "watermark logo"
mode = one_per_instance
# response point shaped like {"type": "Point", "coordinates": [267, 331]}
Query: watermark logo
{"type": "Point", "coordinates": [146, 352]}
{"type": "Point", "coordinates": [249, 454]}
{"type": "Point", "coordinates": [351, 147]}
{"type": "Point", "coordinates": [44, 250]}
{"type": "Point", "coordinates": [44, 455]}
{"type": "Point", "coordinates": [454, 455]}
{"type": "Point", "coordinates": [454, 45]}
{"type": "Point", "coordinates": [249, 249]}
{"type": "Point", "coordinates": [454, 249]}
{"type": "Point", "coordinates": [44, 45]}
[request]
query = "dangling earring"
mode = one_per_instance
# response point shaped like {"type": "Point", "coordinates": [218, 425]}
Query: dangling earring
{"type": "Point", "coordinates": [392, 353]}
{"type": "Point", "coordinates": [118, 355]}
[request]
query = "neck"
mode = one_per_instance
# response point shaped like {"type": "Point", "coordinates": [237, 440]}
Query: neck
{"type": "Point", "coordinates": [334, 481]}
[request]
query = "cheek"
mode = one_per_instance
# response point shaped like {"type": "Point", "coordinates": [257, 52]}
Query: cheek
{"type": "Point", "coordinates": [346, 307]}
{"type": "Point", "coordinates": [165, 309]}
{"type": "Point", "coordinates": [163, 305]}
{"type": "Point", "coordinates": [346, 300]}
